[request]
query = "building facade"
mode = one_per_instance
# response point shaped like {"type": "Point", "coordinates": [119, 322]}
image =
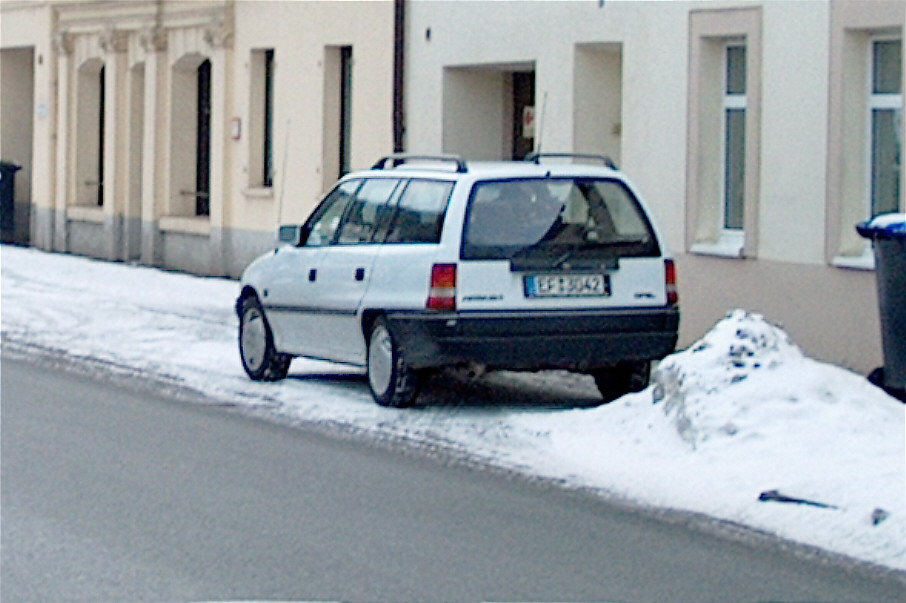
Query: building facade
{"type": "Point", "coordinates": [181, 133]}
{"type": "Point", "coordinates": [760, 132]}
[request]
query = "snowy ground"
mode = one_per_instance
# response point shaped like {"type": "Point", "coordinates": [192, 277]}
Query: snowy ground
{"type": "Point", "coordinates": [740, 413]}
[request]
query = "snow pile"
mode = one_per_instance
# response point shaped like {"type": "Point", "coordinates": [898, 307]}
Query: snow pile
{"type": "Point", "coordinates": [737, 427]}
{"type": "Point", "coordinates": [743, 427]}
{"type": "Point", "coordinates": [711, 389]}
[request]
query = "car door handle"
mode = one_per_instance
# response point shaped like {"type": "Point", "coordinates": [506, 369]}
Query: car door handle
{"type": "Point", "coordinates": [312, 275]}
{"type": "Point", "coordinates": [360, 274]}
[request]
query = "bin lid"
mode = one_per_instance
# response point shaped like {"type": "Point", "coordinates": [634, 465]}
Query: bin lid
{"type": "Point", "coordinates": [9, 166]}
{"type": "Point", "coordinates": [884, 226]}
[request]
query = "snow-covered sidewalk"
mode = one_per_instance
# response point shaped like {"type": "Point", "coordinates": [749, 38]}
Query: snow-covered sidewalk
{"type": "Point", "coordinates": [732, 428]}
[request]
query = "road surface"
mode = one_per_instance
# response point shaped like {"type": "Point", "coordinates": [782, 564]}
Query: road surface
{"type": "Point", "coordinates": [116, 493]}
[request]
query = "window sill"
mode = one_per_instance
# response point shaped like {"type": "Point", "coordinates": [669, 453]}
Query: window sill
{"type": "Point", "coordinates": [263, 193]}
{"type": "Point", "coordinates": [200, 225]}
{"type": "Point", "coordinates": [725, 247]}
{"type": "Point", "coordinates": [85, 213]}
{"type": "Point", "coordinates": [866, 261]}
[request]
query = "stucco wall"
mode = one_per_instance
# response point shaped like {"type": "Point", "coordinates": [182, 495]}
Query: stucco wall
{"type": "Point", "coordinates": [831, 311]}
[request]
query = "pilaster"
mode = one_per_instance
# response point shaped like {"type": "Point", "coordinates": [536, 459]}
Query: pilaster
{"type": "Point", "coordinates": [220, 38]}
{"type": "Point", "coordinates": [63, 47]}
{"type": "Point", "coordinates": [154, 142]}
{"type": "Point", "coordinates": [114, 45]}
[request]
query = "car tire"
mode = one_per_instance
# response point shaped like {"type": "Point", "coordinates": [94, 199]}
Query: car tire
{"type": "Point", "coordinates": [260, 359]}
{"type": "Point", "coordinates": [621, 379]}
{"type": "Point", "coordinates": [392, 382]}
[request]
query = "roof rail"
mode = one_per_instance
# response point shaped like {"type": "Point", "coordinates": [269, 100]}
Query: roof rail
{"type": "Point", "coordinates": [537, 157]}
{"type": "Point", "coordinates": [402, 158]}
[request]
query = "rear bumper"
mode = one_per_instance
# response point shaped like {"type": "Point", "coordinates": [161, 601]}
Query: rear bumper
{"type": "Point", "coordinates": [580, 340]}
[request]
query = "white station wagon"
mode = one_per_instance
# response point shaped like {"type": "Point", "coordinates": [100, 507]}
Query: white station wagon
{"type": "Point", "coordinates": [423, 262]}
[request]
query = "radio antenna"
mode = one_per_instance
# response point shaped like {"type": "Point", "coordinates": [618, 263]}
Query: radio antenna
{"type": "Point", "coordinates": [283, 175]}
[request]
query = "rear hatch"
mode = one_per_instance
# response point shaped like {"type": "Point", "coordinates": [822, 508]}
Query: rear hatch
{"type": "Point", "coordinates": [552, 243]}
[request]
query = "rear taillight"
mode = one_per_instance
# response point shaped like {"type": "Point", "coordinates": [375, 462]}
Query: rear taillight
{"type": "Point", "coordinates": [670, 278]}
{"type": "Point", "coordinates": [442, 292]}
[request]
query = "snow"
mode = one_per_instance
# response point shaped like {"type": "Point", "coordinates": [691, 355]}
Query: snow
{"type": "Point", "coordinates": [889, 223]}
{"type": "Point", "coordinates": [739, 413]}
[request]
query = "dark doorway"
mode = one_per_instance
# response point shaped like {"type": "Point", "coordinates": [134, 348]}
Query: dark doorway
{"type": "Point", "coordinates": [523, 112]}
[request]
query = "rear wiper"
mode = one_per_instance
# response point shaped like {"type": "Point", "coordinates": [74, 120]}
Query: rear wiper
{"type": "Point", "coordinates": [528, 249]}
{"type": "Point", "coordinates": [614, 241]}
{"type": "Point", "coordinates": [568, 260]}
{"type": "Point", "coordinates": [553, 259]}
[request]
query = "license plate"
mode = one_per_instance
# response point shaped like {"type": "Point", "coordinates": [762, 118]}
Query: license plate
{"type": "Point", "coordinates": [567, 285]}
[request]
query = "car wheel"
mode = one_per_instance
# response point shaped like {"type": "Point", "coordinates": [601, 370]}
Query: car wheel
{"type": "Point", "coordinates": [621, 379]}
{"type": "Point", "coordinates": [391, 380]}
{"type": "Point", "coordinates": [260, 359]}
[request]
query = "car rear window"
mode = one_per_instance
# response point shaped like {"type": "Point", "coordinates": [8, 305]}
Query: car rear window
{"type": "Point", "coordinates": [553, 218]}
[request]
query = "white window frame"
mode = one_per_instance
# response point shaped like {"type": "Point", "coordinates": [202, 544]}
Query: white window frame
{"type": "Point", "coordinates": [877, 101]}
{"type": "Point", "coordinates": [710, 32]}
{"type": "Point", "coordinates": [731, 240]}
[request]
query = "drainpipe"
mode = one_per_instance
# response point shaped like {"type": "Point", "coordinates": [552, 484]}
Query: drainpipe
{"type": "Point", "coordinates": [399, 55]}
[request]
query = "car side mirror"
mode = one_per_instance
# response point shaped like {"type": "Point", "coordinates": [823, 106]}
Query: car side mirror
{"type": "Point", "coordinates": [290, 235]}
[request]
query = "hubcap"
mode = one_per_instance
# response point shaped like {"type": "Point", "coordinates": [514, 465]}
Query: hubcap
{"type": "Point", "coordinates": [254, 339]}
{"type": "Point", "coordinates": [380, 360]}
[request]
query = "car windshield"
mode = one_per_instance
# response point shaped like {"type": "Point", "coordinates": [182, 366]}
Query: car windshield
{"type": "Point", "coordinates": [550, 217]}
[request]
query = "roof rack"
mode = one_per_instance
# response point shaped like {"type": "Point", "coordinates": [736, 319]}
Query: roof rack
{"type": "Point", "coordinates": [398, 159]}
{"type": "Point", "coordinates": [537, 157]}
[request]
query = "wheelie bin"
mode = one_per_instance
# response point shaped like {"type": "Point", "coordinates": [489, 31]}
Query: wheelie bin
{"type": "Point", "coordinates": [887, 233]}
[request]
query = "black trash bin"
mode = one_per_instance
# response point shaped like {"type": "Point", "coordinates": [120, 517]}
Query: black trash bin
{"type": "Point", "coordinates": [8, 201]}
{"type": "Point", "coordinates": [888, 235]}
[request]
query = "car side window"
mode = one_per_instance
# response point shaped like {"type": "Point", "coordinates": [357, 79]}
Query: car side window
{"type": "Point", "coordinates": [324, 222]}
{"type": "Point", "coordinates": [367, 211]}
{"type": "Point", "coordinates": [420, 212]}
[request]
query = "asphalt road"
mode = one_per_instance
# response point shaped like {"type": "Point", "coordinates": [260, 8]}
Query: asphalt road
{"type": "Point", "coordinates": [115, 493]}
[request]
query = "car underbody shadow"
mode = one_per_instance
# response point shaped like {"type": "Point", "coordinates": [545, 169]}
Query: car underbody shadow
{"type": "Point", "coordinates": [491, 391]}
{"type": "Point", "coordinates": [499, 390]}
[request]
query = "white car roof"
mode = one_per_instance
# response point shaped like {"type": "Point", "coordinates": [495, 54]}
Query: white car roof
{"type": "Point", "coordinates": [454, 168]}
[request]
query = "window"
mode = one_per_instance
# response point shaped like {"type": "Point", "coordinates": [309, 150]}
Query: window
{"type": "Point", "coordinates": [203, 142]}
{"type": "Point", "coordinates": [885, 125]}
{"type": "Point", "coordinates": [261, 119]}
{"type": "Point", "coordinates": [420, 213]}
{"type": "Point", "coordinates": [336, 150]}
{"type": "Point", "coordinates": [102, 89]}
{"type": "Point", "coordinates": [734, 140]}
{"type": "Point", "coordinates": [269, 118]}
{"type": "Point", "coordinates": [367, 212]}
{"type": "Point", "coordinates": [722, 184]}
{"type": "Point", "coordinates": [865, 125]}
{"type": "Point", "coordinates": [345, 108]}
{"type": "Point", "coordinates": [560, 219]}
{"type": "Point", "coordinates": [190, 141]}
{"type": "Point", "coordinates": [323, 224]}
{"type": "Point", "coordinates": [89, 132]}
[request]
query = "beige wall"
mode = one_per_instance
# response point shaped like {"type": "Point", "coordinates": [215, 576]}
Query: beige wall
{"type": "Point", "coordinates": [302, 34]}
{"type": "Point", "coordinates": [632, 80]}
{"type": "Point", "coordinates": [832, 314]}
{"type": "Point", "coordinates": [150, 51]}
{"type": "Point", "coordinates": [25, 28]}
